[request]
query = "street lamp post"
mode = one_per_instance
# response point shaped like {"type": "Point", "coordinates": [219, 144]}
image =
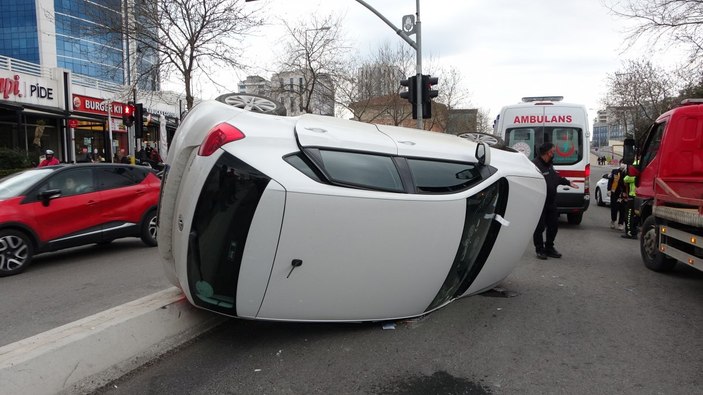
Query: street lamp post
{"type": "Point", "coordinates": [108, 146]}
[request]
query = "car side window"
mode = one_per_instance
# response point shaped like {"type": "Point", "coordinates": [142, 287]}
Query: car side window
{"type": "Point", "coordinates": [111, 177]}
{"type": "Point", "coordinates": [443, 177]}
{"type": "Point", "coordinates": [71, 182]}
{"type": "Point", "coordinates": [363, 170]}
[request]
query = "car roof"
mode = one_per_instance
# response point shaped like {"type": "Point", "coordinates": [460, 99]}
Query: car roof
{"type": "Point", "coordinates": [327, 132]}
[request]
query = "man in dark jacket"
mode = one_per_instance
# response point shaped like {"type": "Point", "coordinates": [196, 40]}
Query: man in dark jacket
{"type": "Point", "coordinates": [550, 217]}
{"type": "Point", "coordinates": [618, 196]}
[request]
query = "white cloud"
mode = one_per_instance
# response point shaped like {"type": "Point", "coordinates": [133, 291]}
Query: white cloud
{"type": "Point", "coordinates": [505, 49]}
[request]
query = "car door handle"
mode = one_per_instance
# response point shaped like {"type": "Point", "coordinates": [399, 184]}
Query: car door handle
{"type": "Point", "coordinates": [91, 202]}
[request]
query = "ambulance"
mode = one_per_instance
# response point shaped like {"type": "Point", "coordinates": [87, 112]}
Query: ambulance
{"type": "Point", "coordinates": [536, 120]}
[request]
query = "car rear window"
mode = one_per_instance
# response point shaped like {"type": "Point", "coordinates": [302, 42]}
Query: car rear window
{"type": "Point", "coordinates": [438, 176]}
{"type": "Point", "coordinates": [111, 177]}
{"type": "Point", "coordinates": [387, 173]}
{"type": "Point", "coordinates": [364, 170]}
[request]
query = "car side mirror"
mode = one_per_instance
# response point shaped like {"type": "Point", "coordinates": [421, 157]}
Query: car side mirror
{"type": "Point", "coordinates": [606, 176]}
{"type": "Point", "coordinates": [483, 154]}
{"type": "Point", "coordinates": [46, 196]}
{"type": "Point", "coordinates": [628, 152]}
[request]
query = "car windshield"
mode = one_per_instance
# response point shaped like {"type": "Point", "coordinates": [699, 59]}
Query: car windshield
{"type": "Point", "coordinates": [16, 184]}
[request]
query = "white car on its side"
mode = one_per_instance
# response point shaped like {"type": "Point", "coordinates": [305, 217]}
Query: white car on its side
{"type": "Point", "coordinates": [315, 218]}
{"type": "Point", "coordinates": [602, 197]}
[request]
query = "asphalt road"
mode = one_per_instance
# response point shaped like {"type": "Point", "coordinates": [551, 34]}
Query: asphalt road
{"type": "Point", "coordinates": [61, 287]}
{"type": "Point", "coordinates": [593, 322]}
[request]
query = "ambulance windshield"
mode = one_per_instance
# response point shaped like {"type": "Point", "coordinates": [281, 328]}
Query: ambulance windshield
{"type": "Point", "coordinates": [568, 142]}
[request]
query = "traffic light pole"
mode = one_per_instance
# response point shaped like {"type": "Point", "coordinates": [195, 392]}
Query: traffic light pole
{"type": "Point", "coordinates": [416, 46]}
{"type": "Point", "coordinates": [418, 50]}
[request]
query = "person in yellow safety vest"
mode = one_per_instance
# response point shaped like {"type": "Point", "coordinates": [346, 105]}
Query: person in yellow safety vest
{"type": "Point", "coordinates": [632, 218]}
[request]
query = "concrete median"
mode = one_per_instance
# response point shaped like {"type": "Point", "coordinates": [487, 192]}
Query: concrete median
{"type": "Point", "coordinates": [84, 355]}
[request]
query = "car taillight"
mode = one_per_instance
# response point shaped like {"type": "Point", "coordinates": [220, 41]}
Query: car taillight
{"type": "Point", "coordinates": [218, 136]}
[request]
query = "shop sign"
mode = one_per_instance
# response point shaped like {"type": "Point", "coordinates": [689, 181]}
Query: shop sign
{"type": "Point", "coordinates": [95, 105]}
{"type": "Point", "coordinates": [72, 123]}
{"type": "Point", "coordinates": [28, 89]}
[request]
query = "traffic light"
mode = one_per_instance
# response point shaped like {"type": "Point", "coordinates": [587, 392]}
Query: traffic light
{"type": "Point", "coordinates": [411, 83]}
{"type": "Point", "coordinates": [428, 94]}
{"type": "Point", "coordinates": [139, 120]}
{"type": "Point", "coordinates": [128, 115]}
{"type": "Point", "coordinates": [410, 93]}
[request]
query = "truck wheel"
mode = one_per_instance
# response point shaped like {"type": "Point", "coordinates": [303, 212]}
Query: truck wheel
{"type": "Point", "coordinates": [574, 219]}
{"type": "Point", "coordinates": [649, 248]}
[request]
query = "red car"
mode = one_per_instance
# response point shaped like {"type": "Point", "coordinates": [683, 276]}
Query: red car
{"type": "Point", "coordinates": [56, 207]}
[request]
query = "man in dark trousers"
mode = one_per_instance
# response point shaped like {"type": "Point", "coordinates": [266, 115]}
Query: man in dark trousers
{"type": "Point", "coordinates": [550, 217]}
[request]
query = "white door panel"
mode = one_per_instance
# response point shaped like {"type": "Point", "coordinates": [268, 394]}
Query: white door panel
{"type": "Point", "coordinates": [390, 260]}
{"type": "Point", "coordinates": [260, 250]}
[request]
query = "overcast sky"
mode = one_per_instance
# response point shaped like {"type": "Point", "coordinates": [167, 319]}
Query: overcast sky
{"type": "Point", "coordinates": [505, 49]}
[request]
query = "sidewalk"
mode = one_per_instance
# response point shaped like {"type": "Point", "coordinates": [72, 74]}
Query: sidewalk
{"type": "Point", "coordinates": [80, 357]}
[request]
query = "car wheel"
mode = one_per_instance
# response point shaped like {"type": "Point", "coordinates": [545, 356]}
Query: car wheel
{"type": "Point", "coordinates": [149, 229]}
{"type": "Point", "coordinates": [254, 103]}
{"type": "Point", "coordinates": [574, 219]}
{"type": "Point", "coordinates": [16, 252]}
{"type": "Point", "coordinates": [599, 197]}
{"type": "Point", "coordinates": [649, 248]}
{"type": "Point", "coordinates": [486, 138]}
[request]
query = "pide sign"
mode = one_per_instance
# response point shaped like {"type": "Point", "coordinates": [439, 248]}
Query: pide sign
{"type": "Point", "coordinates": [97, 106]}
{"type": "Point", "coordinates": [22, 88]}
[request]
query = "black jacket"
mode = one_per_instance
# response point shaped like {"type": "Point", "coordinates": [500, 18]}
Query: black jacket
{"type": "Point", "coordinates": [552, 177]}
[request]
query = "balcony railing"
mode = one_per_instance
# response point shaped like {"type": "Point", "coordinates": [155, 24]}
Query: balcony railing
{"type": "Point", "coordinates": [21, 66]}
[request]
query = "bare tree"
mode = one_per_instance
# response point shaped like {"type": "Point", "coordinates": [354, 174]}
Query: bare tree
{"type": "Point", "coordinates": [186, 39]}
{"type": "Point", "coordinates": [484, 121]}
{"type": "Point", "coordinates": [664, 22]}
{"type": "Point", "coordinates": [451, 94]}
{"type": "Point", "coordinates": [314, 62]}
{"type": "Point", "coordinates": [638, 93]}
{"type": "Point", "coordinates": [373, 91]}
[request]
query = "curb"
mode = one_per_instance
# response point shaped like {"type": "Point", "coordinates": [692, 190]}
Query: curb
{"type": "Point", "coordinates": [84, 355]}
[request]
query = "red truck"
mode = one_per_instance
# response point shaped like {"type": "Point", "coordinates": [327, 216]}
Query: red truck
{"type": "Point", "coordinates": [670, 188]}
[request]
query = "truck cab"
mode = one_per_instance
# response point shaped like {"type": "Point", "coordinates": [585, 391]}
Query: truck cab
{"type": "Point", "coordinates": [670, 188]}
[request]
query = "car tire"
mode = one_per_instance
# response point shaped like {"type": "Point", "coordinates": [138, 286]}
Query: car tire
{"type": "Point", "coordinates": [254, 103]}
{"type": "Point", "coordinates": [599, 197]}
{"type": "Point", "coordinates": [16, 252]}
{"type": "Point", "coordinates": [148, 235]}
{"type": "Point", "coordinates": [486, 138]}
{"type": "Point", "coordinates": [574, 219]}
{"type": "Point", "coordinates": [649, 249]}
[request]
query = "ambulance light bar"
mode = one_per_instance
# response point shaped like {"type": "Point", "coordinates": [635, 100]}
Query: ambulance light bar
{"type": "Point", "coordinates": [530, 99]}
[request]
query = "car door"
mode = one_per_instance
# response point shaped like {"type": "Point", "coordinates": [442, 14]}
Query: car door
{"type": "Point", "coordinates": [125, 197]}
{"type": "Point", "coordinates": [362, 249]}
{"type": "Point", "coordinates": [72, 218]}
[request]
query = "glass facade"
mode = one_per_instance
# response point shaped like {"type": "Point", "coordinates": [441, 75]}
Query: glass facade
{"type": "Point", "coordinates": [18, 30]}
{"type": "Point", "coordinates": [82, 45]}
